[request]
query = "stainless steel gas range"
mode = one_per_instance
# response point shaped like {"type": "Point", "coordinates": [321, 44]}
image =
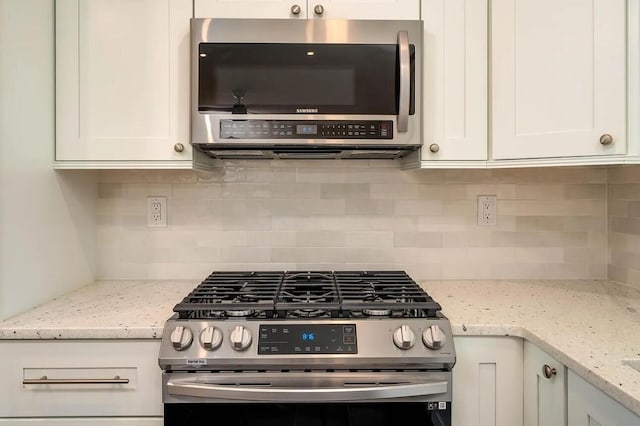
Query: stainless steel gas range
{"type": "Point", "coordinates": [312, 348]}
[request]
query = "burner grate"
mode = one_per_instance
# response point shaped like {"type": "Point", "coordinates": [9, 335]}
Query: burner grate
{"type": "Point", "coordinates": [308, 295]}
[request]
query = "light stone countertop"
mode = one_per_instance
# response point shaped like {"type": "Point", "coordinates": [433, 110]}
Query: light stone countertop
{"type": "Point", "coordinates": [590, 326]}
{"type": "Point", "coordinates": [102, 310]}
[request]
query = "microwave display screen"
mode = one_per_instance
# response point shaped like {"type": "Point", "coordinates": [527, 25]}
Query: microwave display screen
{"type": "Point", "coordinates": [299, 78]}
{"type": "Point", "coordinates": [307, 129]}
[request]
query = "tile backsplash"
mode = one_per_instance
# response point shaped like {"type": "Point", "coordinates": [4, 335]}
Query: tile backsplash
{"type": "Point", "coordinates": [356, 214]}
{"type": "Point", "coordinates": [624, 224]}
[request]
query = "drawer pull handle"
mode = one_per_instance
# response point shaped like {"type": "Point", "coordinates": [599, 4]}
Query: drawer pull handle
{"type": "Point", "coordinates": [44, 380]}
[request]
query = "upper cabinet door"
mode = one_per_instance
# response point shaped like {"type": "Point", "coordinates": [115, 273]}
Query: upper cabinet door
{"type": "Point", "coordinates": [312, 9]}
{"type": "Point", "coordinates": [271, 9]}
{"type": "Point", "coordinates": [558, 78]}
{"type": "Point", "coordinates": [455, 80]}
{"type": "Point", "coordinates": [364, 9]}
{"type": "Point", "coordinates": [122, 80]}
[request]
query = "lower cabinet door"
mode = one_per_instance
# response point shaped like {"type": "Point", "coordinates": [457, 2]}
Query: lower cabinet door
{"type": "Point", "coordinates": [85, 421]}
{"type": "Point", "coordinates": [487, 381]}
{"type": "Point", "coordinates": [588, 406]}
{"type": "Point", "coordinates": [545, 388]}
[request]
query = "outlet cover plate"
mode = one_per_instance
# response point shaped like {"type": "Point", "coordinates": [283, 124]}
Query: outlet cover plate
{"type": "Point", "coordinates": [157, 212]}
{"type": "Point", "coordinates": [487, 210]}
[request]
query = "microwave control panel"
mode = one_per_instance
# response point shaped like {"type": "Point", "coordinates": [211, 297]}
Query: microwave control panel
{"type": "Point", "coordinates": [306, 129]}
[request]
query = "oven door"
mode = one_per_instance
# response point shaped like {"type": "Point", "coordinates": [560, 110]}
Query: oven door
{"type": "Point", "coordinates": [309, 398]}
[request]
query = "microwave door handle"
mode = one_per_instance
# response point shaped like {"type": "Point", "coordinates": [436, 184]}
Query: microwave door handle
{"type": "Point", "coordinates": [405, 81]}
{"type": "Point", "coordinates": [291, 394]}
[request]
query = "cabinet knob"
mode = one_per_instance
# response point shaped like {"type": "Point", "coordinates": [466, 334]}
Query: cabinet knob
{"type": "Point", "coordinates": [296, 9]}
{"type": "Point", "coordinates": [606, 139]}
{"type": "Point", "coordinates": [319, 9]}
{"type": "Point", "coordinates": [548, 371]}
{"type": "Point", "coordinates": [434, 147]}
{"type": "Point", "coordinates": [178, 147]}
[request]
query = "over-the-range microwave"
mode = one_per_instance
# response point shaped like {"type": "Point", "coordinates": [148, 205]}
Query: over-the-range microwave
{"type": "Point", "coordinates": [287, 88]}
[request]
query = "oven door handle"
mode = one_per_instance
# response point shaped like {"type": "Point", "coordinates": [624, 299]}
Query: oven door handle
{"type": "Point", "coordinates": [404, 97]}
{"type": "Point", "coordinates": [293, 394]}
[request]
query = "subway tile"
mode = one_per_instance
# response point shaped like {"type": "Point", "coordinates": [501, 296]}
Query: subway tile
{"type": "Point", "coordinates": [442, 192]}
{"type": "Point", "coordinates": [417, 239]}
{"type": "Point", "coordinates": [369, 239]}
{"type": "Point", "coordinates": [446, 223]}
{"type": "Point", "coordinates": [625, 191]}
{"type": "Point", "coordinates": [588, 191]}
{"type": "Point", "coordinates": [245, 254]}
{"type": "Point", "coordinates": [345, 190]}
{"type": "Point", "coordinates": [296, 191]}
{"type": "Point", "coordinates": [418, 207]}
{"type": "Point", "coordinates": [625, 225]}
{"type": "Point", "coordinates": [109, 190]}
{"type": "Point", "coordinates": [320, 239]}
{"type": "Point", "coordinates": [624, 174]}
{"type": "Point", "coordinates": [370, 207]}
{"type": "Point", "coordinates": [584, 223]}
{"type": "Point", "coordinates": [394, 191]}
{"type": "Point", "coordinates": [618, 208]}
{"type": "Point", "coordinates": [196, 191]}
{"type": "Point", "coordinates": [270, 238]}
{"type": "Point", "coordinates": [467, 238]}
{"type": "Point", "coordinates": [634, 208]}
{"type": "Point", "coordinates": [501, 191]}
{"type": "Point", "coordinates": [584, 255]}
{"type": "Point", "coordinates": [540, 192]}
{"type": "Point", "coordinates": [539, 223]}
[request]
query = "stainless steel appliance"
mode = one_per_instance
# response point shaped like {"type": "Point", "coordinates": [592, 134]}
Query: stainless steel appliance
{"type": "Point", "coordinates": [289, 88]}
{"type": "Point", "coordinates": [313, 348]}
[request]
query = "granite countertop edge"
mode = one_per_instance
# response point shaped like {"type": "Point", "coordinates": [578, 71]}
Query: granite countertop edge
{"type": "Point", "coordinates": [540, 311]}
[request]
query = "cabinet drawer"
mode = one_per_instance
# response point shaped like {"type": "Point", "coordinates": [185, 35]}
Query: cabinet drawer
{"type": "Point", "coordinates": [80, 378]}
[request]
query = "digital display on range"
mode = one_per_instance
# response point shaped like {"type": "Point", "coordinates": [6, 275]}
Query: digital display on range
{"type": "Point", "coordinates": [306, 129]}
{"type": "Point", "coordinates": [280, 339]}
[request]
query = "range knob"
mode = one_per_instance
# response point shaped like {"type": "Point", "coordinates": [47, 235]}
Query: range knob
{"type": "Point", "coordinates": [433, 337]}
{"type": "Point", "coordinates": [240, 338]}
{"type": "Point", "coordinates": [210, 338]}
{"type": "Point", "coordinates": [403, 337]}
{"type": "Point", "coordinates": [181, 338]}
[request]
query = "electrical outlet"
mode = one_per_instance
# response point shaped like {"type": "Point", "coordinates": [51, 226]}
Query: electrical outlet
{"type": "Point", "coordinates": [487, 210]}
{"type": "Point", "coordinates": [156, 211]}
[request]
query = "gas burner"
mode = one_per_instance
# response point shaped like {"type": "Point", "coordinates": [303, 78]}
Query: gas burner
{"type": "Point", "coordinates": [309, 313]}
{"type": "Point", "coordinates": [307, 296]}
{"type": "Point", "coordinates": [240, 313]}
{"type": "Point", "coordinates": [372, 312]}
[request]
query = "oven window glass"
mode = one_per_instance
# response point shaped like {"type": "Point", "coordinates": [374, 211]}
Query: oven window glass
{"type": "Point", "coordinates": [363, 414]}
{"type": "Point", "coordinates": [300, 78]}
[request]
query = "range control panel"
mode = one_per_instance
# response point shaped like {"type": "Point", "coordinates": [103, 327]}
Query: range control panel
{"type": "Point", "coordinates": [305, 129]}
{"type": "Point", "coordinates": [300, 339]}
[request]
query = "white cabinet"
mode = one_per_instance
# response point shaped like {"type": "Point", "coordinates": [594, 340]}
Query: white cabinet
{"type": "Point", "coordinates": [454, 80]}
{"type": "Point", "coordinates": [558, 78]}
{"type": "Point", "coordinates": [487, 381]}
{"type": "Point", "coordinates": [588, 406]}
{"type": "Point", "coordinates": [545, 388]}
{"type": "Point", "coordinates": [122, 83]}
{"type": "Point", "coordinates": [44, 379]}
{"type": "Point", "coordinates": [301, 9]}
